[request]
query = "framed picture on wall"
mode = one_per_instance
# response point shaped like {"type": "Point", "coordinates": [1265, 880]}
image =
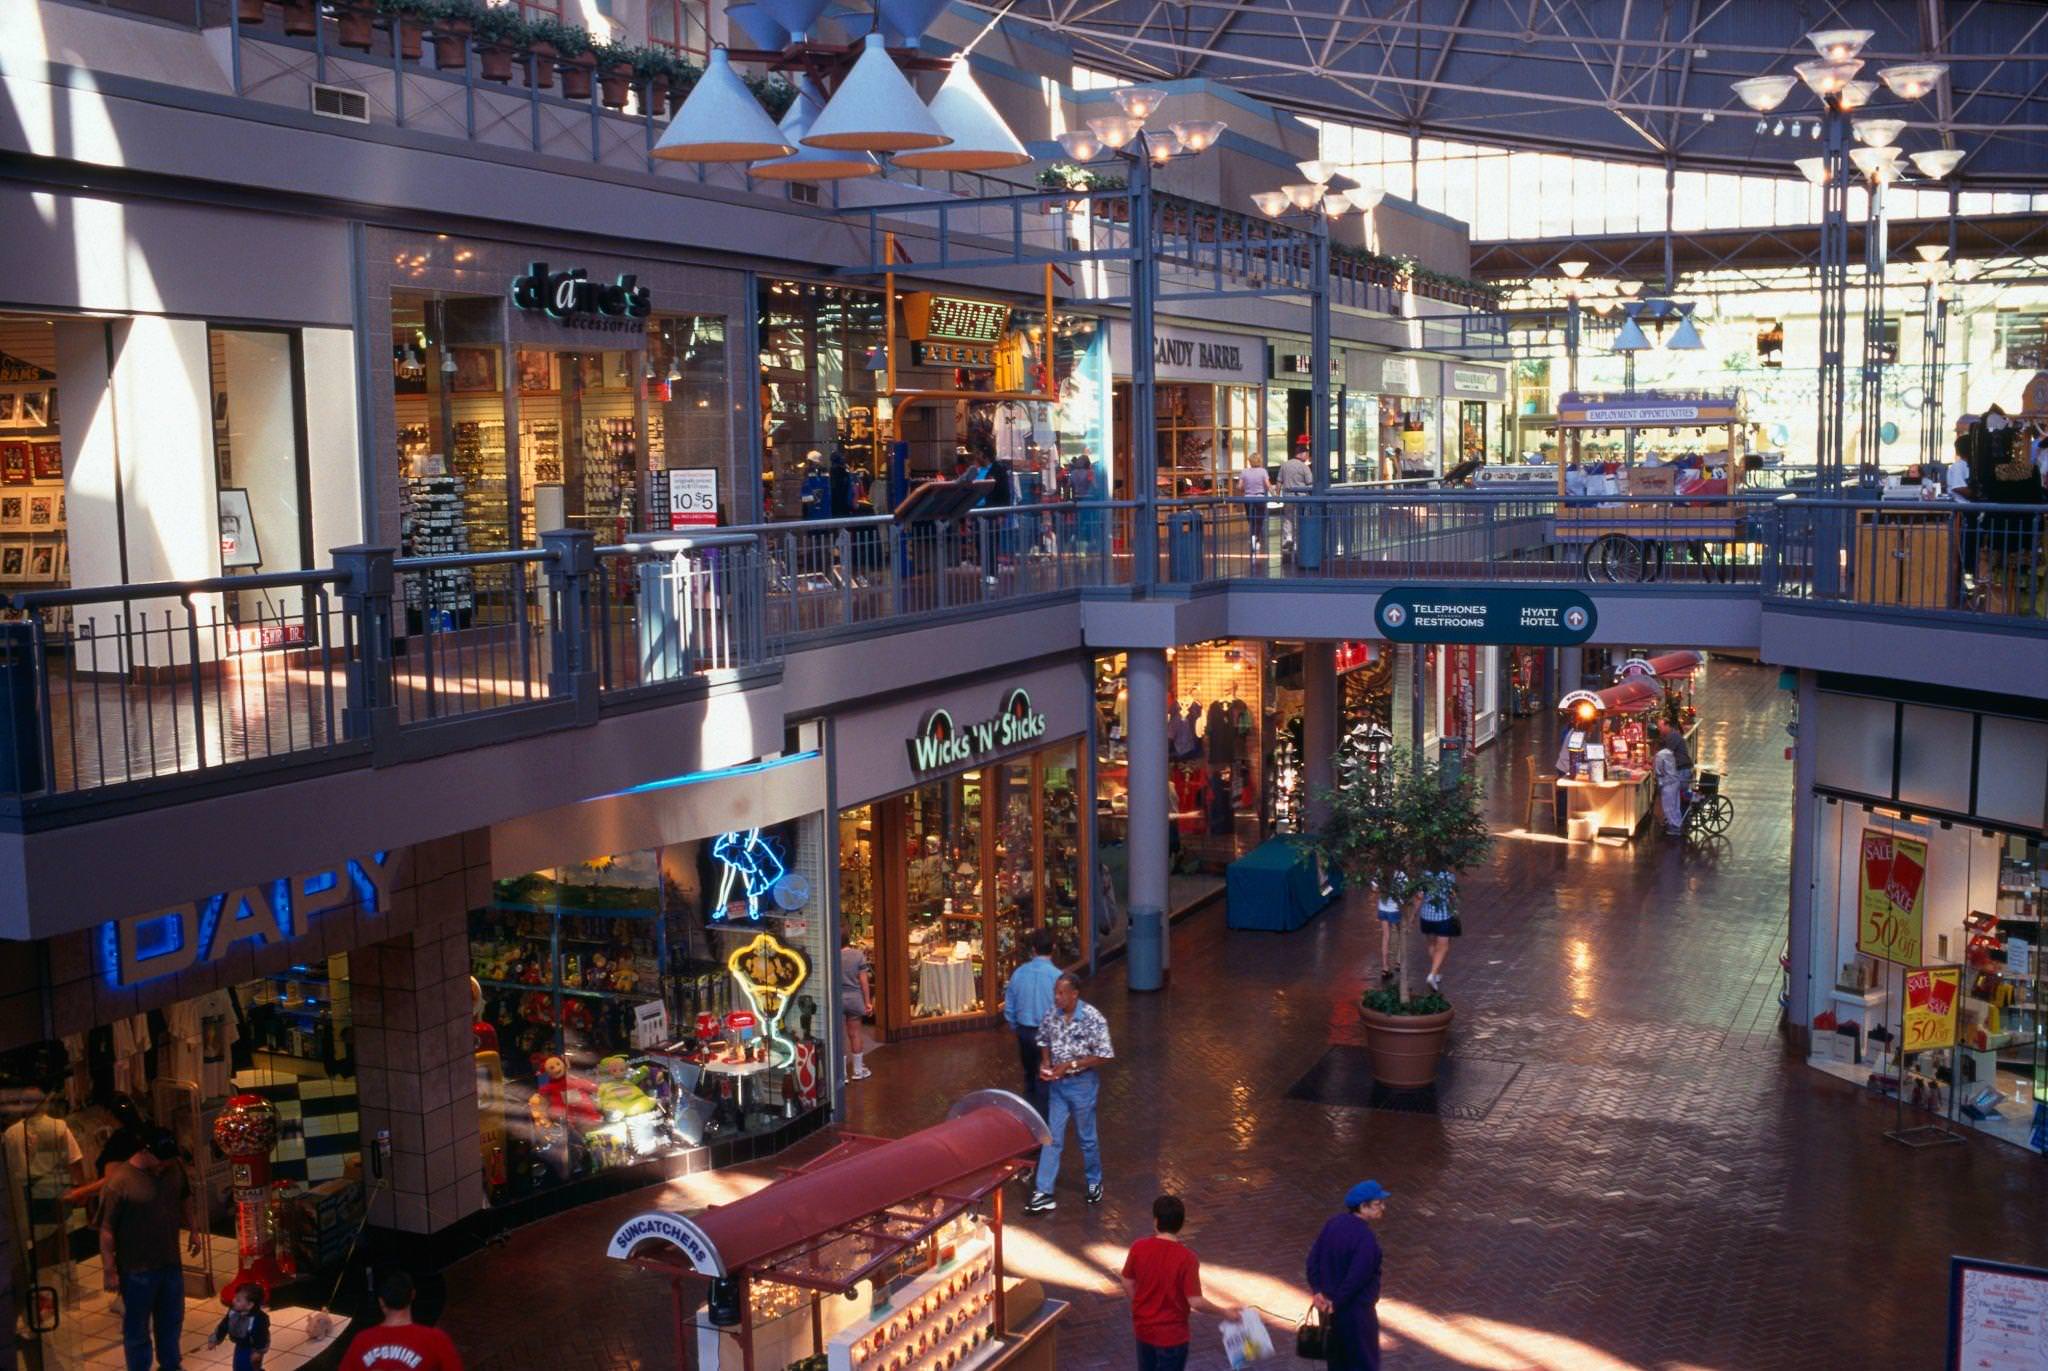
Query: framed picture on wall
{"type": "Point", "coordinates": [42, 562]}
{"type": "Point", "coordinates": [7, 407]}
{"type": "Point", "coordinates": [33, 409]}
{"type": "Point", "coordinates": [536, 371]}
{"type": "Point", "coordinates": [42, 513]}
{"type": "Point", "coordinates": [14, 464]}
{"type": "Point", "coordinates": [238, 544]}
{"type": "Point", "coordinates": [48, 461]}
{"type": "Point", "coordinates": [476, 370]}
{"type": "Point", "coordinates": [13, 511]}
{"type": "Point", "coordinates": [13, 561]}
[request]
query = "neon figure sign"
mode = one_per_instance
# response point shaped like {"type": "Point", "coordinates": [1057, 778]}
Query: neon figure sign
{"type": "Point", "coordinates": [769, 974]}
{"type": "Point", "coordinates": [748, 859]}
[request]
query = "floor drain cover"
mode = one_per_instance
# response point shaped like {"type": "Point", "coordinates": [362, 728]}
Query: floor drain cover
{"type": "Point", "coordinates": [1466, 1087]}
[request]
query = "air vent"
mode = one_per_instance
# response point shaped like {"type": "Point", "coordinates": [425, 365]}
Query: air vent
{"type": "Point", "coordinates": [339, 102]}
{"type": "Point", "coordinates": [803, 192]}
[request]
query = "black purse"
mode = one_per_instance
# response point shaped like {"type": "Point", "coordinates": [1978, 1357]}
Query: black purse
{"type": "Point", "coordinates": [1312, 1337]}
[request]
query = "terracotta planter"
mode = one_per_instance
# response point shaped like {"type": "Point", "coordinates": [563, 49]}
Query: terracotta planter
{"type": "Point", "coordinates": [1405, 1048]}
{"type": "Point", "coordinates": [354, 26]}
{"type": "Point", "coordinates": [301, 18]}
{"type": "Point", "coordinates": [249, 11]}
{"type": "Point", "coordinates": [411, 37]}
{"type": "Point", "coordinates": [614, 83]}
{"type": "Point", "coordinates": [451, 45]}
{"type": "Point", "coordinates": [576, 74]}
{"type": "Point", "coordinates": [541, 70]}
{"type": "Point", "coordinates": [494, 63]}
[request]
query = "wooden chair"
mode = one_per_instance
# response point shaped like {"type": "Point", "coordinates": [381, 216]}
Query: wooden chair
{"type": "Point", "coordinates": [1541, 788]}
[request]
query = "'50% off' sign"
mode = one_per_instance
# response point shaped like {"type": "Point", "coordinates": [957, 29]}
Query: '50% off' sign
{"type": "Point", "coordinates": [1932, 993]}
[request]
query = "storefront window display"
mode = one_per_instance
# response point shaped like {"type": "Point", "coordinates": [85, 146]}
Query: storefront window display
{"type": "Point", "coordinates": [633, 1007]}
{"type": "Point", "coordinates": [818, 390]}
{"type": "Point", "coordinates": [1408, 433]}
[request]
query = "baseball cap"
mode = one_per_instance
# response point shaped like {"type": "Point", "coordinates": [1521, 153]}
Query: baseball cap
{"type": "Point", "coordinates": [162, 1144]}
{"type": "Point", "coordinates": [1365, 1192]}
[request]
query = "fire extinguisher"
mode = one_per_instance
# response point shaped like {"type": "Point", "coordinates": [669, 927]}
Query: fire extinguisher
{"type": "Point", "coordinates": [245, 1132]}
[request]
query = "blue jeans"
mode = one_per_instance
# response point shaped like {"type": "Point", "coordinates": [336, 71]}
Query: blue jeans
{"type": "Point", "coordinates": [152, 1298]}
{"type": "Point", "coordinates": [1072, 1097]}
{"type": "Point", "coordinates": [1152, 1358]}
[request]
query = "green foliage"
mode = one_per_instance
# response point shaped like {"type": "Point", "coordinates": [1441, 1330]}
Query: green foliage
{"type": "Point", "coordinates": [455, 12]}
{"type": "Point", "coordinates": [1389, 1001]}
{"type": "Point", "coordinates": [610, 54]}
{"type": "Point", "coordinates": [567, 40]}
{"type": "Point", "coordinates": [775, 94]}
{"type": "Point", "coordinates": [409, 9]}
{"type": "Point", "coordinates": [502, 25]}
{"type": "Point", "coordinates": [1068, 176]}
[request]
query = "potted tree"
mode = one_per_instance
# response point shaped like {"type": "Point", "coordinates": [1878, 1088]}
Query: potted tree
{"type": "Point", "coordinates": [453, 21]}
{"type": "Point", "coordinates": [614, 72]}
{"type": "Point", "coordinates": [408, 24]}
{"type": "Point", "coordinates": [1409, 828]}
{"type": "Point", "coordinates": [574, 60]}
{"type": "Point", "coordinates": [500, 33]}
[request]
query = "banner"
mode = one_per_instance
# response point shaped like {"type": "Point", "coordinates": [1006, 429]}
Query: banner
{"type": "Point", "coordinates": [1932, 996]}
{"type": "Point", "coordinates": [1892, 897]}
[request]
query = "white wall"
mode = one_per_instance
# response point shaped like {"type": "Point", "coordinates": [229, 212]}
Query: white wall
{"type": "Point", "coordinates": [334, 454]}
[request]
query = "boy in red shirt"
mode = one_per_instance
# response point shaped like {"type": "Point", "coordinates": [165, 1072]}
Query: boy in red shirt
{"type": "Point", "coordinates": [399, 1344]}
{"type": "Point", "coordinates": [1163, 1279]}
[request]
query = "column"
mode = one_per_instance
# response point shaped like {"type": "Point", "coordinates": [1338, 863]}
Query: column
{"type": "Point", "coordinates": [1319, 730]}
{"type": "Point", "coordinates": [1145, 681]}
{"type": "Point", "coordinates": [1799, 1009]}
{"type": "Point", "coordinates": [1571, 663]}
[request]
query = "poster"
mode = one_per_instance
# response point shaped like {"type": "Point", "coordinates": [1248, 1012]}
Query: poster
{"type": "Point", "coordinates": [1891, 886]}
{"type": "Point", "coordinates": [692, 497]}
{"type": "Point", "coordinates": [1998, 1316]}
{"type": "Point", "coordinates": [1932, 995]}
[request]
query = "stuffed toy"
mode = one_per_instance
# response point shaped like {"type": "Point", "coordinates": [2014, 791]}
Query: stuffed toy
{"type": "Point", "coordinates": [599, 976]}
{"type": "Point", "coordinates": [572, 972]}
{"type": "Point", "coordinates": [617, 1095]}
{"type": "Point", "coordinates": [530, 973]}
{"type": "Point", "coordinates": [576, 1015]}
{"type": "Point", "coordinates": [569, 1098]}
{"type": "Point", "coordinates": [624, 977]}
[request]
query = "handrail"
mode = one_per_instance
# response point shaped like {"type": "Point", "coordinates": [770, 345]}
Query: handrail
{"type": "Point", "coordinates": [169, 590]}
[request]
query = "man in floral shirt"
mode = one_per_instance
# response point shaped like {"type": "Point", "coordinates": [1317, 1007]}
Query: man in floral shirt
{"type": "Point", "coordinates": [1073, 1041]}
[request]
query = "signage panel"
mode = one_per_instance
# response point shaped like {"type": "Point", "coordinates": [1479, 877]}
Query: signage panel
{"type": "Point", "coordinates": [692, 497]}
{"type": "Point", "coordinates": [942, 742]}
{"type": "Point", "coordinates": [1524, 616]}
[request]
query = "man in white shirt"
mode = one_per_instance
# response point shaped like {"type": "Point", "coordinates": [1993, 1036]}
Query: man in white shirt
{"type": "Point", "coordinates": [1297, 478]}
{"type": "Point", "coordinates": [1254, 485]}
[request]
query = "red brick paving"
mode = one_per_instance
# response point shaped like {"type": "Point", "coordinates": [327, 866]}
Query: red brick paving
{"type": "Point", "coordinates": [1659, 1188]}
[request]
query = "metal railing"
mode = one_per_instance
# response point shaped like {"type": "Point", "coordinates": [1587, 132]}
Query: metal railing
{"type": "Point", "coordinates": [1938, 556]}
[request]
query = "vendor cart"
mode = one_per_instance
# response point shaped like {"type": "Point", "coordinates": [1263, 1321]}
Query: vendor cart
{"type": "Point", "coordinates": [1632, 526]}
{"type": "Point", "coordinates": [1608, 788]}
{"type": "Point", "coordinates": [876, 1255]}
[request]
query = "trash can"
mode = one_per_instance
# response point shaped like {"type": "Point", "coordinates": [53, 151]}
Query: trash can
{"type": "Point", "coordinates": [1184, 535]}
{"type": "Point", "coordinates": [1309, 555]}
{"type": "Point", "coordinates": [1450, 758]}
{"type": "Point", "coordinates": [1145, 953]}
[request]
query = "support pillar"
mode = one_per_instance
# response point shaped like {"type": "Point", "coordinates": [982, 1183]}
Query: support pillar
{"type": "Point", "coordinates": [1799, 1009]}
{"type": "Point", "coordinates": [1319, 730]}
{"type": "Point", "coordinates": [1146, 961]}
{"type": "Point", "coordinates": [1571, 664]}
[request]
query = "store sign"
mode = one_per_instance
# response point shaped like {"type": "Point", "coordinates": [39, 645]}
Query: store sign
{"type": "Point", "coordinates": [1195, 354]}
{"type": "Point", "coordinates": [692, 497]}
{"type": "Point", "coordinates": [1891, 904]}
{"type": "Point", "coordinates": [1933, 994]}
{"type": "Point", "coordinates": [1302, 366]}
{"type": "Point", "coordinates": [1521, 617]}
{"type": "Point", "coordinates": [941, 743]}
{"type": "Point", "coordinates": [675, 1230]}
{"type": "Point", "coordinates": [1467, 381]}
{"type": "Point", "coordinates": [958, 320]}
{"type": "Point", "coordinates": [1182, 354]}
{"type": "Point", "coordinates": [753, 865]}
{"type": "Point", "coordinates": [572, 297]}
{"type": "Point", "coordinates": [970, 356]}
{"type": "Point", "coordinates": [144, 947]}
{"type": "Point", "coordinates": [15, 371]}
{"type": "Point", "coordinates": [1399, 374]}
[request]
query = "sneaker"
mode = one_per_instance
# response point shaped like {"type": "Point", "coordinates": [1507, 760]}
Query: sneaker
{"type": "Point", "coordinates": [1040, 1203]}
{"type": "Point", "coordinates": [1436, 982]}
{"type": "Point", "coordinates": [1095, 1193]}
{"type": "Point", "coordinates": [1387, 973]}
{"type": "Point", "coordinates": [859, 1073]}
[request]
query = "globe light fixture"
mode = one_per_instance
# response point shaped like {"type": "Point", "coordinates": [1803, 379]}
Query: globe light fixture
{"type": "Point", "coordinates": [721, 121]}
{"type": "Point", "coordinates": [1575, 269]}
{"type": "Point", "coordinates": [1856, 94]}
{"type": "Point", "coordinates": [875, 109]}
{"type": "Point", "coordinates": [1139, 102]}
{"type": "Point", "coordinates": [981, 140]}
{"type": "Point", "coordinates": [1303, 194]}
{"type": "Point", "coordinates": [1198, 135]}
{"type": "Point", "coordinates": [1814, 169]}
{"type": "Point", "coordinates": [1878, 133]}
{"type": "Point", "coordinates": [1936, 163]}
{"type": "Point", "coordinates": [1271, 203]}
{"type": "Point", "coordinates": [1765, 93]}
{"type": "Point", "coordinates": [1825, 78]}
{"type": "Point", "coordinates": [1931, 252]}
{"type": "Point", "coordinates": [1081, 144]}
{"type": "Point", "coordinates": [1839, 45]}
{"type": "Point", "coordinates": [1365, 198]}
{"type": "Point", "coordinates": [1913, 80]}
{"type": "Point", "coordinates": [1876, 163]}
{"type": "Point", "coordinates": [1115, 130]}
{"type": "Point", "coordinates": [1163, 146]}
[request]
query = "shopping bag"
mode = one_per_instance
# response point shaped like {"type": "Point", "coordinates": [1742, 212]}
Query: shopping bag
{"type": "Point", "coordinates": [1245, 1339]}
{"type": "Point", "coordinates": [1312, 1338]}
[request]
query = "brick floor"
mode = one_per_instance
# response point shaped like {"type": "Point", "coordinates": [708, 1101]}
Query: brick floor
{"type": "Point", "coordinates": [1659, 1188]}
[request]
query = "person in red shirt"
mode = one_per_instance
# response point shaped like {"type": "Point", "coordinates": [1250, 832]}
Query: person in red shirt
{"type": "Point", "coordinates": [1163, 1280]}
{"type": "Point", "coordinates": [399, 1344]}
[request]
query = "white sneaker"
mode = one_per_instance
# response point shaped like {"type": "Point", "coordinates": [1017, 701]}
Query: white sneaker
{"type": "Point", "coordinates": [859, 1073]}
{"type": "Point", "coordinates": [1436, 982]}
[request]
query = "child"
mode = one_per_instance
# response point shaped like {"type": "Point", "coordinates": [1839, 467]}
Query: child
{"type": "Point", "coordinates": [247, 1326]}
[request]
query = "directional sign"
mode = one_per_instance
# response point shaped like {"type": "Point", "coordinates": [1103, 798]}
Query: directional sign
{"type": "Point", "coordinates": [1532, 617]}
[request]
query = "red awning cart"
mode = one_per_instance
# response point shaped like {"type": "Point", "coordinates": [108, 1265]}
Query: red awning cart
{"type": "Point", "coordinates": [877, 1255]}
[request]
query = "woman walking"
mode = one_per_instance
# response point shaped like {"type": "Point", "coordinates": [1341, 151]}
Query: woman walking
{"type": "Point", "coordinates": [1439, 923]}
{"type": "Point", "coordinates": [1344, 1279]}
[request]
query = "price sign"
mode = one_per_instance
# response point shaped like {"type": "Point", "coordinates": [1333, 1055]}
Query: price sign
{"type": "Point", "coordinates": [692, 498]}
{"type": "Point", "coordinates": [1892, 897]}
{"type": "Point", "coordinates": [1932, 994]}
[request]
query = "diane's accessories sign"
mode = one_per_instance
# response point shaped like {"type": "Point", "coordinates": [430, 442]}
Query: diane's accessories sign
{"type": "Point", "coordinates": [573, 298]}
{"type": "Point", "coordinates": [942, 742]}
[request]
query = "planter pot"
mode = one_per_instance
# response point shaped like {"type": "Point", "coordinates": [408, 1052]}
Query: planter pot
{"type": "Point", "coordinates": [353, 26]}
{"type": "Point", "coordinates": [451, 46]}
{"type": "Point", "coordinates": [541, 70]}
{"type": "Point", "coordinates": [576, 77]}
{"type": "Point", "coordinates": [301, 18]}
{"type": "Point", "coordinates": [1405, 1047]}
{"type": "Point", "coordinates": [411, 34]}
{"type": "Point", "coordinates": [494, 63]}
{"type": "Point", "coordinates": [654, 98]}
{"type": "Point", "coordinates": [613, 85]}
{"type": "Point", "coordinates": [249, 11]}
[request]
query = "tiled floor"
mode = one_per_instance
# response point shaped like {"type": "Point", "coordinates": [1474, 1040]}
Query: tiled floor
{"type": "Point", "coordinates": [88, 1336]}
{"type": "Point", "coordinates": [1658, 1189]}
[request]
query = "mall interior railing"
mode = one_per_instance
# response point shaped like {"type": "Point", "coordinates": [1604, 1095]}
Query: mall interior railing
{"type": "Point", "coordinates": [1935, 556]}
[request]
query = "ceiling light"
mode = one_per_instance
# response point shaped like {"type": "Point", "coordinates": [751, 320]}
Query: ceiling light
{"type": "Point", "coordinates": [1839, 45]}
{"type": "Point", "coordinates": [1574, 269]}
{"type": "Point", "coordinates": [1931, 252]}
{"type": "Point", "coordinates": [1874, 162]}
{"type": "Point", "coordinates": [1936, 163]}
{"type": "Point", "coordinates": [875, 109]}
{"type": "Point", "coordinates": [1115, 130]}
{"type": "Point", "coordinates": [1913, 80]}
{"type": "Point", "coordinates": [1763, 126]}
{"type": "Point", "coordinates": [1878, 133]}
{"type": "Point", "coordinates": [1827, 78]}
{"type": "Point", "coordinates": [1631, 287]}
{"type": "Point", "coordinates": [1198, 135]}
{"type": "Point", "coordinates": [1685, 338]}
{"type": "Point", "coordinates": [1271, 203]}
{"type": "Point", "coordinates": [1366, 198]}
{"type": "Point", "coordinates": [1162, 145]}
{"type": "Point", "coordinates": [981, 140]}
{"type": "Point", "coordinates": [1303, 194]}
{"type": "Point", "coordinates": [1081, 145]}
{"type": "Point", "coordinates": [1765, 93]}
{"type": "Point", "coordinates": [1814, 169]}
{"type": "Point", "coordinates": [1816, 130]}
{"type": "Point", "coordinates": [808, 163]}
{"type": "Point", "coordinates": [1856, 94]}
{"type": "Point", "coordinates": [1318, 172]}
{"type": "Point", "coordinates": [906, 20]}
{"type": "Point", "coordinates": [1630, 337]}
{"type": "Point", "coordinates": [1139, 101]}
{"type": "Point", "coordinates": [1336, 206]}
{"type": "Point", "coordinates": [721, 121]}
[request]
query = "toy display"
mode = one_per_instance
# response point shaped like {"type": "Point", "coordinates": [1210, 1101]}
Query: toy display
{"type": "Point", "coordinates": [941, 1321]}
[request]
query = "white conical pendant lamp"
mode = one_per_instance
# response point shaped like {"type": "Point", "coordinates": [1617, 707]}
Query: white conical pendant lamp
{"type": "Point", "coordinates": [906, 20]}
{"type": "Point", "coordinates": [721, 121]}
{"type": "Point", "coordinates": [795, 15]}
{"type": "Point", "coordinates": [758, 25]}
{"type": "Point", "coordinates": [812, 164]}
{"type": "Point", "coordinates": [875, 109]}
{"type": "Point", "coordinates": [981, 140]}
{"type": "Point", "coordinates": [1631, 337]}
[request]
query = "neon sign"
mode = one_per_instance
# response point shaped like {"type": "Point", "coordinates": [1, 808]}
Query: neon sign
{"type": "Point", "coordinates": [145, 947]}
{"type": "Point", "coordinates": [940, 742]}
{"type": "Point", "coordinates": [769, 974]}
{"type": "Point", "coordinates": [750, 859]}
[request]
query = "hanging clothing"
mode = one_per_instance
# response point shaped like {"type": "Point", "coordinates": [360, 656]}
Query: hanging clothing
{"type": "Point", "coordinates": [131, 1054]}
{"type": "Point", "coordinates": [219, 1030]}
{"type": "Point", "coordinates": [1219, 736]}
{"type": "Point", "coordinates": [43, 1161]}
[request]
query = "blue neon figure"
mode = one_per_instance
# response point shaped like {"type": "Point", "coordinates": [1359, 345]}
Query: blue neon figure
{"type": "Point", "coordinates": [747, 857]}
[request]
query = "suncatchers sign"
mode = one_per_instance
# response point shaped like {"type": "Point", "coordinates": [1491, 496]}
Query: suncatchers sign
{"type": "Point", "coordinates": [941, 743]}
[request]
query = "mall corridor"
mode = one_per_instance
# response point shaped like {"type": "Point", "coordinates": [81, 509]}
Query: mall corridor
{"type": "Point", "coordinates": [1626, 1173]}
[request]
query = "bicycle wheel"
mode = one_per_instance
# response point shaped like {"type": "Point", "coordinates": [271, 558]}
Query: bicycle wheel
{"type": "Point", "coordinates": [1717, 813]}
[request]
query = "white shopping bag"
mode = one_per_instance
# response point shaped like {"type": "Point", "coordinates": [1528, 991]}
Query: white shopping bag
{"type": "Point", "coordinates": [1245, 1339]}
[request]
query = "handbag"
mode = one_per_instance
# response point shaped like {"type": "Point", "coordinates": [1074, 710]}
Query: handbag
{"type": "Point", "coordinates": [1312, 1337]}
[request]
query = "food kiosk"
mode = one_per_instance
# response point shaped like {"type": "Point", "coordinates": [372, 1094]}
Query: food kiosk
{"type": "Point", "coordinates": [1629, 525]}
{"type": "Point", "coordinates": [1610, 789]}
{"type": "Point", "coordinates": [1676, 673]}
{"type": "Point", "coordinates": [876, 1255]}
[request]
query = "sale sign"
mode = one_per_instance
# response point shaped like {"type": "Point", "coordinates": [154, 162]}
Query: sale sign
{"type": "Point", "coordinates": [1932, 994]}
{"type": "Point", "coordinates": [1892, 897]}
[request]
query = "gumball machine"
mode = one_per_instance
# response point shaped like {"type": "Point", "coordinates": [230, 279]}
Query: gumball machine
{"type": "Point", "coordinates": [707, 1035]}
{"type": "Point", "coordinates": [245, 1133]}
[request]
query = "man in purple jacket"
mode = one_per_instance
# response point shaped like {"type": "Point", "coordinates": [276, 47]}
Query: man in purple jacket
{"type": "Point", "coordinates": [1344, 1278]}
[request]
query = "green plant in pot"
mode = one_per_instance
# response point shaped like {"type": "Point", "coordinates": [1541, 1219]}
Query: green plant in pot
{"type": "Point", "coordinates": [614, 72]}
{"type": "Point", "coordinates": [409, 20]}
{"type": "Point", "coordinates": [544, 38]}
{"type": "Point", "coordinates": [355, 22]}
{"type": "Point", "coordinates": [653, 70]}
{"type": "Point", "coordinates": [501, 33]}
{"type": "Point", "coordinates": [1409, 829]}
{"type": "Point", "coordinates": [454, 20]}
{"type": "Point", "coordinates": [574, 59]}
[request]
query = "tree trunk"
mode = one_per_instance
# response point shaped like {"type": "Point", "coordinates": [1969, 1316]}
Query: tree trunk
{"type": "Point", "coordinates": [1408, 932]}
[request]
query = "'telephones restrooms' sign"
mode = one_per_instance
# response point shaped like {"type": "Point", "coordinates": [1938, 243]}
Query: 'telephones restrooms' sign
{"type": "Point", "coordinates": [1533, 616]}
{"type": "Point", "coordinates": [573, 298]}
{"type": "Point", "coordinates": [940, 742]}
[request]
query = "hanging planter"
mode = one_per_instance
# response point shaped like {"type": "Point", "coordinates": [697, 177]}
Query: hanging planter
{"type": "Point", "coordinates": [249, 11]}
{"type": "Point", "coordinates": [576, 73]}
{"type": "Point", "coordinates": [301, 18]}
{"type": "Point", "coordinates": [540, 71]}
{"type": "Point", "coordinates": [614, 74]}
{"type": "Point", "coordinates": [354, 25]}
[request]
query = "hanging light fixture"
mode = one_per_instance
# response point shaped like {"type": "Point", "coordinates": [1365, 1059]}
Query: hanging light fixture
{"type": "Point", "coordinates": [1936, 163]}
{"type": "Point", "coordinates": [1303, 194]}
{"type": "Point", "coordinates": [1319, 172]}
{"type": "Point", "coordinates": [675, 371]}
{"type": "Point", "coordinates": [758, 25]}
{"type": "Point", "coordinates": [875, 109]}
{"type": "Point", "coordinates": [1765, 93]}
{"type": "Point", "coordinates": [1139, 102]}
{"type": "Point", "coordinates": [795, 15]}
{"type": "Point", "coordinates": [906, 20]}
{"type": "Point", "coordinates": [1913, 80]}
{"type": "Point", "coordinates": [1814, 169]}
{"type": "Point", "coordinates": [721, 121]}
{"type": "Point", "coordinates": [1856, 94]}
{"type": "Point", "coordinates": [1115, 130]}
{"type": "Point", "coordinates": [1574, 269]}
{"type": "Point", "coordinates": [981, 140]}
{"type": "Point", "coordinates": [1365, 198]}
{"type": "Point", "coordinates": [1839, 45]}
{"type": "Point", "coordinates": [1198, 135]}
{"type": "Point", "coordinates": [1875, 163]}
{"type": "Point", "coordinates": [1826, 78]}
{"type": "Point", "coordinates": [1630, 336]}
{"type": "Point", "coordinates": [1878, 133]}
{"type": "Point", "coordinates": [1271, 203]}
{"type": "Point", "coordinates": [809, 163]}
{"type": "Point", "coordinates": [1081, 144]}
{"type": "Point", "coordinates": [1685, 338]}
{"type": "Point", "coordinates": [1162, 147]}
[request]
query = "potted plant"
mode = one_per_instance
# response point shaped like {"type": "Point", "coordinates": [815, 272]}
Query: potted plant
{"type": "Point", "coordinates": [775, 94]}
{"type": "Point", "coordinates": [249, 11]}
{"type": "Point", "coordinates": [301, 18]}
{"type": "Point", "coordinates": [354, 23]}
{"type": "Point", "coordinates": [1408, 828]}
{"type": "Point", "coordinates": [542, 48]}
{"type": "Point", "coordinates": [614, 72]}
{"type": "Point", "coordinates": [651, 68]}
{"type": "Point", "coordinates": [500, 33]}
{"type": "Point", "coordinates": [408, 24]}
{"type": "Point", "coordinates": [573, 59]}
{"type": "Point", "coordinates": [453, 21]}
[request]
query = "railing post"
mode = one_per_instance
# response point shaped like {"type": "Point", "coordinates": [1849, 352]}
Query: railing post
{"type": "Point", "coordinates": [571, 568]}
{"type": "Point", "coordinates": [367, 582]}
{"type": "Point", "coordinates": [21, 733]}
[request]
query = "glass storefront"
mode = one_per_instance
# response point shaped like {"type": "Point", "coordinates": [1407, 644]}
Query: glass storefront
{"type": "Point", "coordinates": [1206, 435]}
{"type": "Point", "coordinates": [820, 389]}
{"type": "Point", "coordinates": [943, 885]}
{"type": "Point", "coordinates": [1408, 432]}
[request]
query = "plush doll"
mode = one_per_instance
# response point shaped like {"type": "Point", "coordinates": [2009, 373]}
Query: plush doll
{"type": "Point", "coordinates": [617, 1096]}
{"type": "Point", "coordinates": [576, 1016]}
{"type": "Point", "coordinates": [529, 972]}
{"type": "Point", "coordinates": [624, 977]}
{"type": "Point", "coordinates": [599, 977]}
{"type": "Point", "coordinates": [572, 972]}
{"type": "Point", "coordinates": [568, 1097]}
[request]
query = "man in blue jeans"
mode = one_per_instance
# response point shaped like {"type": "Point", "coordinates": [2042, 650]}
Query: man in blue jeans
{"type": "Point", "coordinates": [1027, 1000]}
{"type": "Point", "coordinates": [1074, 1041]}
{"type": "Point", "coordinates": [142, 1205]}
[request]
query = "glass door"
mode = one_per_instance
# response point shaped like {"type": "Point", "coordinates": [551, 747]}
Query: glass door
{"type": "Point", "coordinates": [944, 898]}
{"type": "Point", "coordinates": [259, 427]}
